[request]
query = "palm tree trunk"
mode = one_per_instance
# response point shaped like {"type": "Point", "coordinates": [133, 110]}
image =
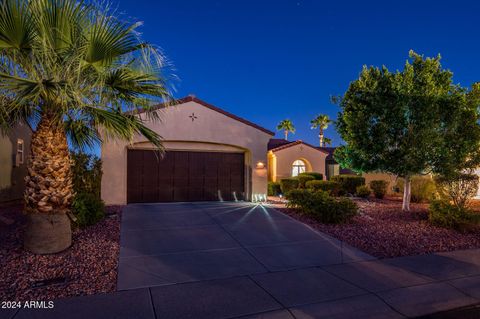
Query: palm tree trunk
{"type": "Point", "coordinates": [49, 191]}
{"type": "Point", "coordinates": [286, 135]}
{"type": "Point", "coordinates": [320, 137]}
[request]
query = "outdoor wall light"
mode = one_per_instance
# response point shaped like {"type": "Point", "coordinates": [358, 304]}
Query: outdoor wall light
{"type": "Point", "coordinates": [260, 165]}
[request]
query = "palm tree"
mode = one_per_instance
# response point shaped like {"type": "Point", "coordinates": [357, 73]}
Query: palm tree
{"type": "Point", "coordinates": [287, 126]}
{"type": "Point", "coordinates": [321, 122]}
{"type": "Point", "coordinates": [73, 70]}
{"type": "Point", "coordinates": [327, 141]}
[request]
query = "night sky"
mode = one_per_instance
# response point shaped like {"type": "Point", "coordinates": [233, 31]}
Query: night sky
{"type": "Point", "coordinates": [270, 60]}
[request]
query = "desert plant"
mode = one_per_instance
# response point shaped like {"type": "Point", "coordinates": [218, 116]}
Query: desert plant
{"type": "Point", "coordinates": [348, 183]}
{"type": "Point", "coordinates": [363, 191]}
{"type": "Point", "coordinates": [288, 184]}
{"type": "Point", "coordinates": [315, 175]}
{"type": "Point", "coordinates": [327, 186]}
{"type": "Point", "coordinates": [274, 189]}
{"type": "Point", "coordinates": [379, 188]}
{"type": "Point", "coordinates": [76, 69]}
{"type": "Point", "coordinates": [322, 207]}
{"type": "Point", "coordinates": [458, 189]}
{"type": "Point", "coordinates": [445, 214]}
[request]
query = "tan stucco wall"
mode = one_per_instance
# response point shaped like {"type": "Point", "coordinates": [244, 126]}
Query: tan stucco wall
{"type": "Point", "coordinates": [390, 178]}
{"type": "Point", "coordinates": [12, 184]}
{"type": "Point", "coordinates": [6, 165]}
{"type": "Point", "coordinates": [284, 158]}
{"type": "Point", "coordinates": [210, 131]}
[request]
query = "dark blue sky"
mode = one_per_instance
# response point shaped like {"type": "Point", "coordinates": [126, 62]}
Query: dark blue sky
{"type": "Point", "coordinates": [270, 60]}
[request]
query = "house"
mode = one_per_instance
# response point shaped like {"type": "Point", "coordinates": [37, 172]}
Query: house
{"type": "Point", "coordinates": [288, 159]}
{"type": "Point", "coordinates": [210, 154]}
{"type": "Point", "coordinates": [14, 152]}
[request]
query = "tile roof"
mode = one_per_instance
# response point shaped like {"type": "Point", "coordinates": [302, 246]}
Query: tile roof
{"type": "Point", "coordinates": [287, 145]}
{"type": "Point", "coordinates": [276, 142]}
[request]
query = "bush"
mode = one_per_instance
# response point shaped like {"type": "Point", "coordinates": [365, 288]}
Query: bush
{"type": "Point", "coordinates": [288, 184]}
{"type": "Point", "coordinates": [303, 179]}
{"type": "Point", "coordinates": [348, 183]}
{"type": "Point", "coordinates": [327, 186]}
{"type": "Point", "coordinates": [379, 188]}
{"type": "Point", "coordinates": [316, 176]}
{"type": "Point", "coordinates": [274, 189]}
{"type": "Point", "coordinates": [88, 209]}
{"type": "Point", "coordinates": [458, 189]}
{"type": "Point", "coordinates": [422, 188]}
{"type": "Point", "coordinates": [363, 191]}
{"type": "Point", "coordinates": [444, 214]}
{"type": "Point", "coordinates": [322, 207]}
{"type": "Point", "coordinates": [86, 173]}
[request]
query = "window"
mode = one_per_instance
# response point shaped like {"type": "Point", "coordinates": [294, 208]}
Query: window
{"type": "Point", "coordinates": [20, 149]}
{"type": "Point", "coordinates": [298, 167]}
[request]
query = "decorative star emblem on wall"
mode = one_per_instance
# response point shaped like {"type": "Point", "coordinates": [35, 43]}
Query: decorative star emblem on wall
{"type": "Point", "coordinates": [193, 117]}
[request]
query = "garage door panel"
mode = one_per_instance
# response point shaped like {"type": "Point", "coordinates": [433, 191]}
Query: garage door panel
{"type": "Point", "coordinates": [184, 176]}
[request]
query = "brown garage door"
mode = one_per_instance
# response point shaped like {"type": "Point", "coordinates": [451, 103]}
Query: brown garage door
{"type": "Point", "coordinates": [184, 176]}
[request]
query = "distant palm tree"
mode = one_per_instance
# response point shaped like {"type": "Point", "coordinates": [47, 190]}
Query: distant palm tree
{"type": "Point", "coordinates": [72, 69]}
{"type": "Point", "coordinates": [287, 126]}
{"type": "Point", "coordinates": [327, 141]}
{"type": "Point", "coordinates": [321, 122]}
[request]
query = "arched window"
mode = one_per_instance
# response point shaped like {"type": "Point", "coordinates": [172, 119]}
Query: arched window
{"type": "Point", "coordinates": [298, 167]}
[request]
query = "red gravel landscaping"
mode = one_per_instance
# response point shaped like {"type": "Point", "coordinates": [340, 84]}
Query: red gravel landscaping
{"type": "Point", "coordinates": [383, 230]}
{"type": "Point", "coordinates": [89, 266]}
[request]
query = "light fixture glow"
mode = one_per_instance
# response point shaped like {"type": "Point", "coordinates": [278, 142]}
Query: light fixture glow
{"type": "Point", "coordinates": [260, 165]}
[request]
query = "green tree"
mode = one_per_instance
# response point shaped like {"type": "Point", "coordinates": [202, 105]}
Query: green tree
{"type": "Point", "coordinates": [414, 121]}
{"type": "Point", "coordinates": [72, 69]}
{"type": "Point", "coordinates": [321, 122]}
{"type": "Point", "coordinates": [327, 141]}
{"type": "Point", "coordinates": [287, 127]}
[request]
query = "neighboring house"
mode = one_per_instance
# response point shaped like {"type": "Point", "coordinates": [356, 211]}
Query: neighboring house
{"type": "Point", "coordinates": [14, 152]}
{"type": "Point", "coordinates": [210, 155]}
{"type": "Point", "coordinates": [288, 159]}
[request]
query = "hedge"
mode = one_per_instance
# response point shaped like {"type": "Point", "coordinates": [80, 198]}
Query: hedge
{"type": "Point", "coordinates": [288, 184]}
{"type": "Point", "coordinates": [328, 186]}
{"type": "Point", "coordinates": [274, 189]}
{"type": "Point", "coordinates": [348, 183]}
{"type": "Point", "coordinates": [322, 207]}
{"type": "Point", "coordinates": [315, 175]}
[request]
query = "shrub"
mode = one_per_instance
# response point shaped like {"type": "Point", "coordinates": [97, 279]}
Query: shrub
{"type": "Point", "coordinates": [322, 207]}
{"type": "Point", "coordinates": [328, 186]}
{"type": "Point", "coordinates": [316, 176]}
{"type": "Point", "coordinates": [86, 173]}
{"type": "Point", "coordinates": [422, 188]}
{"type": "Point", "coordinates": [458, 189]}
{"type": "Point", "coordinates": [363, 191]}
{"type": "Point", "coordinates": [288, 184]}
{"type": "Point", "coordinates": [274, 189]}
{"type": "Point", "coordinates": [444, 214]}
{"type": "Point", "coordinates": [88, 209]}
{"type": "Point", "coordinates": [348, 183]}
{"type": "Point", "coordinates": [303, 179]}
{"type": "Point", "coordinates": [379, 188]}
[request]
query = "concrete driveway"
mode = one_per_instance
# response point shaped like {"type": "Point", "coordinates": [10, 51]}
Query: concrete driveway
{"type": "Point", "coordinates": [241, 260]}
{"type": "Point", "coordinates": [164, 244]}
